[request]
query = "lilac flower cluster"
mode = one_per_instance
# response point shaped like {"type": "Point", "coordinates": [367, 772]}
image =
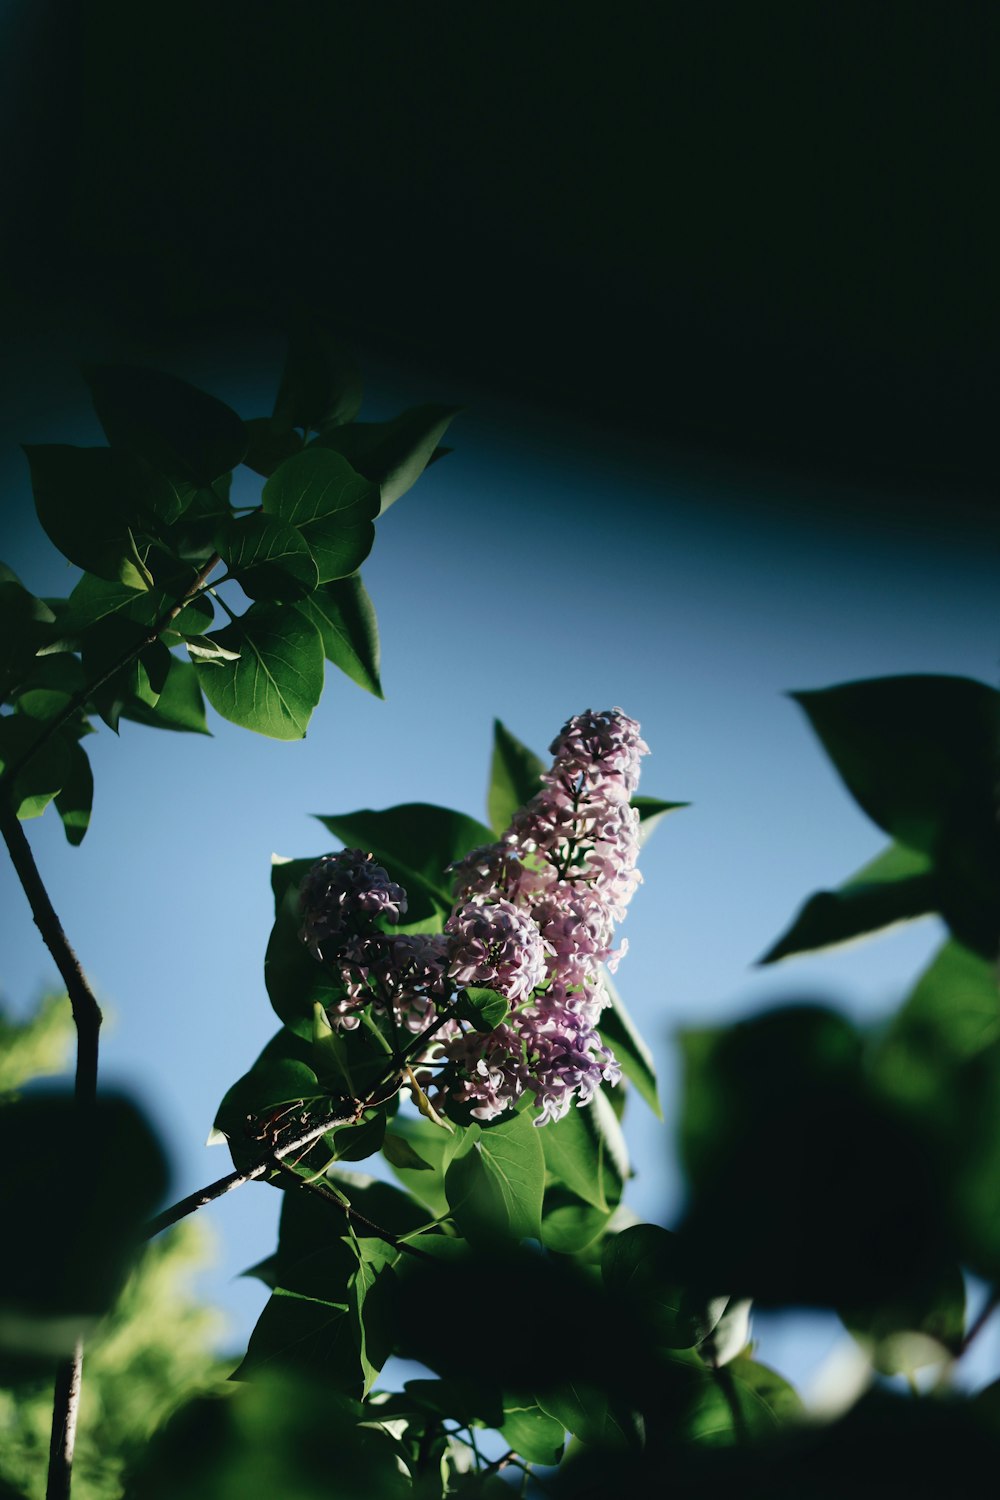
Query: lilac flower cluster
{"type": "Point", "coordinates": [534, 919]}
{"type": "Point", "coordinates": [567, 864]}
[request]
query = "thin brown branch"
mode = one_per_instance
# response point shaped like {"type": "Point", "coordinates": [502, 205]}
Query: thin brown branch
{"type": "Point", "coordinates": [81, 698]}
{"type": "Point", "coordinates": [350, 1212]}
{"type": "Point", "coordinates": [86, 1011]}
{"type": "Point", "coordinates": [65, 1410]}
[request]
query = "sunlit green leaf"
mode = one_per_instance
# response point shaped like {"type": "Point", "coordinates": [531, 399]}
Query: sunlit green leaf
{"type": "Point", "coordinates": [392, 454]}
{"type": "Point", "coordinates": [345, 618]}
{"type": "Point", "coordinates": [495, 1189]}
{"type": "Point", "coordinates": [586, 1151]}
{"type": "Point", "coordinates": [618, 1031]}
{"type": "Point", "coordinates": [332, 506]}
{"type": "Point", "coordinates": [269, 558]}
{"type": "Point", "coordinates": [278, 679]}
{"type": "Point", "coordinates": [180, 705]}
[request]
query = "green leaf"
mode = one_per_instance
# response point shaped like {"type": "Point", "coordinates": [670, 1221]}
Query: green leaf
{"type": "Point", "coordinates": [80, 503]}
{"type": "Point", "coordinates": [530, 1432]}
{"type": "Point", "coordinates": [398, 1152]}
{"type": "Point", "coordinates": [73, 1246]}
{"type": "Point", "coordinates": [269, 558]}
{"type": "Point", "coordinates": [568, 1225]}
{"type": "Point", "coordinates": [495, 1189]}
{"type": "Point", "coordinates": [345, 618]}
{"type": "Point", "coordinates": [483, 1009]}
{"type": "Point", "coordinates": [180, 705]}
{"type": "Point", "coordinates": [515, 777]}
{"type": "Point", "coordinates": [308, 1337]}
{"type": "Point", "coordinates": [906, 1334]}
{"type": "Point", "coordinates": [320, 383]}
{"type": "Point", "coordinates": [282, 1078]}
{"type": "Point", "coordinates": [269, 443]}
{"type": "Point", "coordinates": [917, 753]}
{"type": "Point", "coordinates": [295, 982]}
{"type": "Point", "coordinates": [651, 812]}
{"type": "Point", "coordinates": [45, 772]}
{"type": "Point", "coordinates": [765, 1402]}
{"type": "Point", "coordinates": [95, 599]}
{"type": "Point", "coordinates": [586, 1151]}
{"type": "Point", "coordinates": [178, 429]}
{"type": "Point", "coordinates": [436, 1149]}
{"type": "Point", "coordinates": [645, 1265]}
{"type": "Point", "coordinates": [805, 1185]}
{"type": "Point", "coordinates": [619, 1032]}
{"type": "Point", "coordinates": [333, 507]}
{"type": "Point", "coordinates": [75, 797]}
{"type": "Point", "coordinates": [393, 454]}
{"type": "Point", "coordinates": [592, 1414]}
{"type": "Point", "coordinates": [109, 641]}
{"type": "Point", "coordinates": [49, 685]}
{"type": "Point", "coordinates": [894, 887]}
{"type": "Point", "coordinates": [415, 842]}
{"type": "Point", "coordinates": [278, 679]}
{"type": "Point", "coordinates": [24, 624]}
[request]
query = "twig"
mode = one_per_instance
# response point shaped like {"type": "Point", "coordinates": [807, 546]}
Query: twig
{"type": "Point", "coordinates": [86, 1011]}
{"type": "Point", "coordinates": [351, 1213]}
{"type": "Point", "coordinates": [65, 1410]}
{"type": "Point", "coordinates": [80, 698]}
{"type": "Point", "coordinates": [223, 1185]}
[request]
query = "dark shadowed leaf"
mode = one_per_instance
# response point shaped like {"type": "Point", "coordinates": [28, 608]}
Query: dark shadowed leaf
{"type": "Point", "coordinates": [917, 753]}
{"type": "Point", "coordinates": [277, 680]}
{"type": "Point", "coordinates": [269, 443]}
{"type": "Point", "coordinates": [178, 429]}
{"type": "Point", "coordinates": [81, 498]}
{"type": "Point", "coordinates": [44, 771]}
{"type": "Point", "coordinates": [25, 622]}
{"type": "Point", "coordinates": [415, 841]}
{"type": "Point", "coordinates": [645, 1265]}
{"type": "Point", "coordinates": [345, 618]}
{"type": "Point", "coordinates": [320, 383]}
{"type": "Point", "coordinates": [530, 1431]}
{"type": "Point", "coordinates": [72, 1247]}
{"type": "Point", "coordinates": [393, 454]}
{"type": "Point", "coordinates": [333, 507]}
{"type": "Point", "coordinates": [894, 887]}
{"type": "Point", "coordinates": [49, 685]}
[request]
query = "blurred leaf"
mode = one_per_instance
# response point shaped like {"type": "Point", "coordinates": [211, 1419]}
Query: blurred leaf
{"type": "Point", "coordinates": [180, 705]}
{"type": "Point", "coordinates": [37, 1046]}
{"type": "Point", "coordinates": [320, 384]}
{"type": "Point", "coordinates": [593, 1415]}
{"type": "Point", "coordinates": [393, 454]}
{"type": "Point", "coordinates": [415, 841]}
{"type": "Point", "coordinates": [618, 1031]}
{"type": "Point", "coordinates": [805, 1186]}
{"type": "Point", "coordinates": [82, 496]}
{"type": "Point", "coordinates": [178, 429]}
{"type": "Point", "coordinates": [894, 887]}
{"type": "Point", "coordinates": [917, 753]}
{"type": "Point", "coordinates": [515, 777]}
{"type": "Point", "coordinates": [333, 507]}
{"type": "Point", "coordinates": [284, 1433]}
{"type": "Point", "coordinates": [345, 618]}
{"type": "Point", "coordinates": [568, 1224]}
{"type": "Point", "coordinates": [278, 679]}
{"type": "Point", "coordinates": [936, 1316]}
{"type": "Point", "coordinates": [74, 799]}
{"type": "Point", "coordinates": [78, 1227]}
{"type": "Point", "coordinates": [586, 1151]}
{"type": "Point", "coordinates": [495, 1188]}
{"type": "Point", "coordinates": [268, 558]}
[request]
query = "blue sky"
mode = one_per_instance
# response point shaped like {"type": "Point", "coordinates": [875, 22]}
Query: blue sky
{"type": "Point", "coordinates": [539, 570]}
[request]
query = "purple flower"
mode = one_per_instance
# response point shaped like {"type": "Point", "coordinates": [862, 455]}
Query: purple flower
{"type": "Point", "coordinates": [496, 946]}
{"type": "Point", "coordinates": [598, 749]}
{"type": "Point", "coordinates": [344, 894]}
